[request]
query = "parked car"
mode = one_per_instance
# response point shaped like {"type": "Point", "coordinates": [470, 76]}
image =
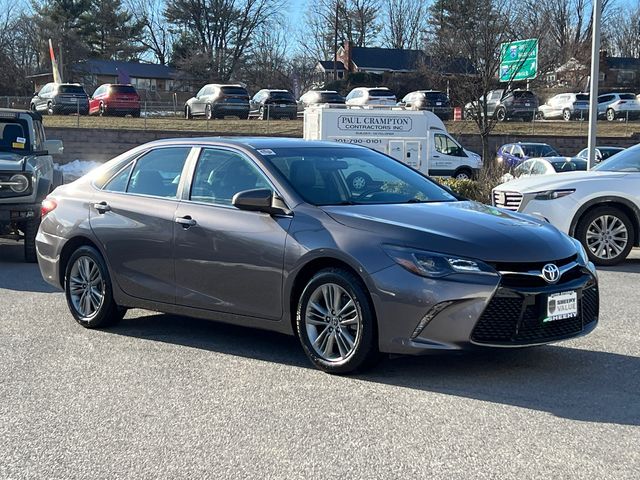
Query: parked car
{"type": "Point", "coordinates": [613, 106]}
{"type": "Point", "coordinates": [61, 98]}
{"type": "Point", "coordinates": [545, 166]}
{"type": "Point", "coordinates": [505, 105]}
{"type": "Point", "coordinates": [115, 99]}
{"type": "Point", "coordinates": [368, 96]}
{"type": "Point", "coordinates": [265, 232]}
{"type": "Point", "coordinates": [27, 176]}
{"type": "Point", "coordinates": [274, 104]}
{"type": "Point", "coordinates": [512, 154]}
{"type": "Point", "coordinates": [600, 207]}
{"type": "Point", "coordinates": [565, 106]}
{"type": "Point", "coordinates": [432, 100]}
{"type": "Point", "coordinates": [218, 101]}
{"type": "Point", "coordinates": [314, 97]}
{"type": "Point", "coordinates": [602, 153]}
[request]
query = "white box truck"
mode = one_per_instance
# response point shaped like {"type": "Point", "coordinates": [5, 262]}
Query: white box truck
{"type": "Point", "coordinates": [415, 137]}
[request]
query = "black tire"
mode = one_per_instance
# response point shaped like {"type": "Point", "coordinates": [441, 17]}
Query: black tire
{"type": "Point", "coordinates": [611, 115]}
{"type": "Point", "coordinates": [365, 351]}
{"type": "Point", "coordinates": [135, 114]}
{"type": "Point", "coordinates": [358, 181]}
{"type": "Point", "coordinates": [30, 230]}
{"type": "Point", "coordinates": [32, 107]}
{"type": "Point", "coordinates": [187, 113]}
{"type": "Point", "coordinates": [566, 115]}
{"type": "Point", "coordinates": [463, 174]}
{"type": "Point", "coordinates": [293, 116]}
{"type": "Point", "coordinates": [50, 109]}
{"type": "Point", "coordinates": [501, 114]}
{"type": "Point", "coordinates": [102, 112]}
{"type": "Point", "coordinates": [208, 112]}
{"type": "Point", "coordinates": [583, 228]}
{"type": "Point", "coordinates": [244, 116]}
{"type": "Point", "coordinates": [261, 114]}
{"type": "Point", "coordinates": [108, 313]}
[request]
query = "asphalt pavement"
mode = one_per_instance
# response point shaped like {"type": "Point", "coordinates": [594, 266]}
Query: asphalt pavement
{"type": "Point", "coordinates": [162, 396]}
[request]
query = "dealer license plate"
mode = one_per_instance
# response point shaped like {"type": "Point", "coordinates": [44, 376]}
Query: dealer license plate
{"type": "Point", "coordinates": [562, 305]}
{"type": "Point", "coordinates": [527, 104]}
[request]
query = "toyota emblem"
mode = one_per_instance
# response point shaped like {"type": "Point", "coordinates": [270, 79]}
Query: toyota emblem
{"type": "Point", "coordinates": [550, 273]}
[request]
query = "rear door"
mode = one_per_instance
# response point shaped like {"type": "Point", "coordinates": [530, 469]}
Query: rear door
{"type": "Point", "coordinates": [226, 259]}
{"type": "Point", "coordinates": [133, 218]}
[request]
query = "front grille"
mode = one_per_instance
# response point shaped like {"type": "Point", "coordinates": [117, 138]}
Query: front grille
{"type": "Point", "coordinates": [513, 318]}
{"type": "Point", "coordinates": [508, 200]}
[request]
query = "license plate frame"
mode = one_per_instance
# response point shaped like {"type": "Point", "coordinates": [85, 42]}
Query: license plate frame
{"type": "Point", "coordinates": [561, 305]}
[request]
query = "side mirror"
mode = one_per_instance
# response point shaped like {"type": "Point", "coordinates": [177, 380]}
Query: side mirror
{"type": "Point", "coordinates": [54, 147]}
{"type": "Point", "coordinates": [260, 200]}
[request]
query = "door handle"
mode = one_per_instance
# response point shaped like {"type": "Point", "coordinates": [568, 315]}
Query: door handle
{"type": "Point", "coordinates": [186, 221]}
{"type": "Point", "coordinates": [436, 156]}
{"type": "Point", "coordinates": [102, 207]}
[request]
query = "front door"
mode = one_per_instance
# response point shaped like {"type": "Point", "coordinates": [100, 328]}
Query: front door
{"type": "Point", "coordinates": [226, 259]}
{"type": "Point", "coordinates": [133, 218]}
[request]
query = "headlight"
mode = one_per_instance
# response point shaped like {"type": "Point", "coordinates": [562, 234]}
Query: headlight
{"type": "Point", "coordinates": [435, 265]}
{"type": "Point", "coordinates": [553, 194]}
{"type": "Point", "coordinates": [19, 183]}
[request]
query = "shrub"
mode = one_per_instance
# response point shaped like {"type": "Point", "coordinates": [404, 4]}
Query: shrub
{"type": "Point", "coordinates": [478, 189]}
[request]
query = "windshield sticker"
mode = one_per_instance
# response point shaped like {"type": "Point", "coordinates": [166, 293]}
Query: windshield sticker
{"type": "Point", "coordinates": [17, 145]}
{"type": "Point", "coordinates": [21, 140]}
{"type": "Point", "coordinates": [266, 151]}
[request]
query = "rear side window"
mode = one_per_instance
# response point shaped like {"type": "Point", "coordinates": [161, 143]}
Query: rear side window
{"type": "Point", "coordinates": [158, 172]}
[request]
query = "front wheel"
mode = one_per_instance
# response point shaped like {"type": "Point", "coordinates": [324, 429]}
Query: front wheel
{"type": "Point", "coordinates": [30, 230]}
{"type": "Point", "coordinates": [208, 112]}
{"type": "Point", "coordinates": [88, 290]}
{"type": "Point", "coordinates": [501, 115]}
{"type": "Point", "coordinates": [336, 323]}
{"type": "Point", "coordinates": [607, 235]}
{"type": "Point", "coordinates": [463, 174]}
{"type": "Point", "coordinates": [611, 115]}
{"type": "Point", "coordinates": [187, 113]}
{"type": "Point", "coordinates": [566, 115]}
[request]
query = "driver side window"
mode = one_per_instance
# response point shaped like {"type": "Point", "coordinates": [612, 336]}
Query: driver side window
{"type": "Point", "coordinates": [445, 145]}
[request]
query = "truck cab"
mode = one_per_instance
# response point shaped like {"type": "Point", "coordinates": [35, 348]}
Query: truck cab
{"type": "Point", "coordinates": [27, 175]}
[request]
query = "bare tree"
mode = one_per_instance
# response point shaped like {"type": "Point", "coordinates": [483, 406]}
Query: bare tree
{"type": "Point", "coordinates": [405, 23]}
{"type": "Point", "coordinates": [156, 35]}
{"type": "Point", "coordinates": [623, 34]}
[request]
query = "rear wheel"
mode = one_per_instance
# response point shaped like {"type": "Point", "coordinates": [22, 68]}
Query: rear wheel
{"type": "Point", "coordinates": [336, 323]}
{"type": "Point", "coordinates": [463, 174]}
{"type": "Point", "coordinates": [501, 114]}
{"type": "Point", "coordinates": [611, 115]}
{"type": "Point", "coordinates": [88, 290]}
{"type": "Point", "coordinates": [208, 112]}
{"type": "Point", "coordinates": [30, 230]}
{"type": "Point", "coordinates": [607, 235]}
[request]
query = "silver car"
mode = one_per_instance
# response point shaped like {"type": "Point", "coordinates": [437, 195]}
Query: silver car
{"type": "Point", "coordinates": [266, 233]}
{"type": "Point", "coordinates": [565, 106]}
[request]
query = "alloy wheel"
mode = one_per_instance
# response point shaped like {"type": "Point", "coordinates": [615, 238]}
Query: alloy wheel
{"type": "Point", "coordinates": [611, 115]}
{"type": "Point", "coordinates": [86, 287]}
{"type": "Point", "coordinates": [359, 183]}
{"type": "Point", "coordinates": [332, 323]}
{"type": "Point", "coordinates": [607, 237]}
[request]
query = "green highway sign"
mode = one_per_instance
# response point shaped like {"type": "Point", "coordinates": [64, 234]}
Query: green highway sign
{"type": "Point", "coordinates": [519, 60]}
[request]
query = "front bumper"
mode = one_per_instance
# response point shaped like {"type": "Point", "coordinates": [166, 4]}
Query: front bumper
{"type": "Point", "coordinates": [471, 313]}
{"type": "Point", "coordinates": [18, 212]}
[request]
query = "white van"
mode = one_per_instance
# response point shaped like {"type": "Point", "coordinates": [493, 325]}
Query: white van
{"type": "Point", "coordinates": [417, 138]}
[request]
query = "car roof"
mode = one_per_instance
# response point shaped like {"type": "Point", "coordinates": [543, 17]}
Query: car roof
{"type": "Point", "coordinates": [254, 143]}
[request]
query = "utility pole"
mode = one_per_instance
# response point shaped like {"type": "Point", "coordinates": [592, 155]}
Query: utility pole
{"type": "Point", "coordinates": [595, 77]}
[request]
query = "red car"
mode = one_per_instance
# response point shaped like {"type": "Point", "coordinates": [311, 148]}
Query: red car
{"type": "Point", "coordinates": [115, 99]}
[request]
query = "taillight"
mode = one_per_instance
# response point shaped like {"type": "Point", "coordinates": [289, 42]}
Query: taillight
{"type": "Point", "coordinates": [48, 205]}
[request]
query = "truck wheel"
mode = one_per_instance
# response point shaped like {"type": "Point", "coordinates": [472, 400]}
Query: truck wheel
{"type": "Point", "coordinates": [358, 181]}
{"type": "Point", "coordinates": [30, 230]}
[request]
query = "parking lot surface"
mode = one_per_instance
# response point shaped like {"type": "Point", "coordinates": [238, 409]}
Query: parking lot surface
{"type": "Point", "coordinates": [161, 396]}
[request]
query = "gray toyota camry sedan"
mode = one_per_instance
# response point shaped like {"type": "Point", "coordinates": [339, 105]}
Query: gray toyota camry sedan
{"type": "Point", "coordinates": [266, 233]}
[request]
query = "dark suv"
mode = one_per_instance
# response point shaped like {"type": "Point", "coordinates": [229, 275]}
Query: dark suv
{"type": "Point", "coordinates": [61, 98]}
{"type": "Point", "coordinates": [274, 104]}
{"type": "Point", "coordinates": [218, 101]}
{"type": "Point", "coordinates": [506, 105]}
{"type": "Point", "coordinates": [432, 100]}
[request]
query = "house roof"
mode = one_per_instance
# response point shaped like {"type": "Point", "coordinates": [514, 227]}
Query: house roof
{"type": "Point", "coordinates": [328, 65]}
{"type": "Point", "coordinates": [623, 63]}
{"type": "Point", "coordinates": [133, 69]}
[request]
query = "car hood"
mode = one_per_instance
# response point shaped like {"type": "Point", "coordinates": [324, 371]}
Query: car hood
{"type": "Point", "coordinates": [467, 229]}
{"type": "Point", "coordinates": [540, 183]}
{"type": "Point", "coordinates": [11, 162]}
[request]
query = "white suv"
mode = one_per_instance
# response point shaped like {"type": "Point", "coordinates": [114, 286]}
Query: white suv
{"type": "Point", "coordinates": [371, 96]}
{"type": "Point", "coordinates": [618, 105]}
{"type": "Point", "coordinates": [601, 207]}
{"type": "Point", "coordinates": [566, 106]}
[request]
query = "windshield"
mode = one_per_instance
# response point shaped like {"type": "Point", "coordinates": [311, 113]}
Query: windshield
{"type": "Point", "coordinates": [12, 136]}
{"type": "Point", "coordinates": [626, 161]}
{"type": "Point", "coordinates": [234, 91]}
{"type": "Point", "coordinates": [349, 176]}
{"type": "Point", "coordinates": [71, 89]}
{"type": "Point", "coordinates": [539, 151]}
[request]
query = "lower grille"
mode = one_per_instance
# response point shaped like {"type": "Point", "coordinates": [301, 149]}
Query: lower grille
{"type": "Point", "coordinates": [514, 318]}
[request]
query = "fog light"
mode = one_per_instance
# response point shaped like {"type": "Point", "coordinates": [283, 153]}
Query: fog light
{"type": "Point", "coordinates": [431, 314]}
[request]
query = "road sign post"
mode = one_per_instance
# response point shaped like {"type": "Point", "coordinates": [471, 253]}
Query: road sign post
{"type": "Point", "coordinates": [519, 60]}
